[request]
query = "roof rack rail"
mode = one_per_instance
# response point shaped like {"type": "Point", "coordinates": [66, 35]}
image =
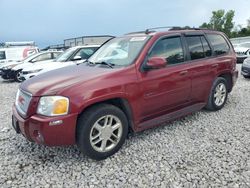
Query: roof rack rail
{"type": "Point", "coordinates": [170, 28]}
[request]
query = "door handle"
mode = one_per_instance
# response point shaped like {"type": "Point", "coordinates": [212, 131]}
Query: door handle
{"type": "Point", "coordinates": [182, 73]}
{"type": "Point", "coordinates": [215, 65]}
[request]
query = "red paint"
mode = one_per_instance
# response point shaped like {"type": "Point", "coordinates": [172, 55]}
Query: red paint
{"type": "Point", "coordinates": [152, 96]}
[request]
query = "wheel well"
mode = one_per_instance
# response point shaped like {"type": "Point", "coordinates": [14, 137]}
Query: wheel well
{"type": "Point", "coordinates": [228, 78]}
{"type": "Point", "coordinates": [122, 104]}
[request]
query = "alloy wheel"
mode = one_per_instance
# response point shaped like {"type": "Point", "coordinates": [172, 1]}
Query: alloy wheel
{"type": "Point", "coordinates": [106, 133]}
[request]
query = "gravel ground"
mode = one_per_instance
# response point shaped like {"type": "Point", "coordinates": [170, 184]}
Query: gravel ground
{"type": "Point", "coordinates": [205, 149]}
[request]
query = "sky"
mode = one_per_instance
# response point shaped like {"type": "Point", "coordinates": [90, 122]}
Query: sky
{"type": "Point", "coordinates": [49, 22]}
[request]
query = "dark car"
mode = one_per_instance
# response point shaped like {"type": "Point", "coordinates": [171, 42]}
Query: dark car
{"type": "Point", "coordinates": [136, 81]}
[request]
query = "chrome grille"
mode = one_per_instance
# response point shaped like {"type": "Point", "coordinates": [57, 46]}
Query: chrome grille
{"type": "Point", "coordinates": [22, 101]}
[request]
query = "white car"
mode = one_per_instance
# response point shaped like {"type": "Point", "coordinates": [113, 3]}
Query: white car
{"type": "Point", "coordinates": [11, 70]}
{"type": "Point", "coordinates": [72, 56]}
{"type": "Point", "coordinates": [242, 51]}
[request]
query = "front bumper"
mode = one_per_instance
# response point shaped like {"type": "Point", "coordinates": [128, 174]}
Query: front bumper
{"type": "Point", "coordinates": [37, 128]}
{"type": "Point", "coordinates": [8, 74]}
{"type": "Point", "coordinates": [245, 70]}
{"type": "Point", "coordinates": [25, 76]}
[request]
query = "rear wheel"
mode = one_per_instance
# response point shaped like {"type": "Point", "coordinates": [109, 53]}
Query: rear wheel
{"type": "Point", "coordinates": [101, 131]}
{"type": "Point", "coordinates": [218, 94]}
{"type": "Point", "coordinates": [17, 77]}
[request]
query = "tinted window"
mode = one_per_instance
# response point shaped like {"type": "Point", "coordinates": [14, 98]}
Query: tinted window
{"type": "Point", "coordinates": [2, 55]}
{"type": "Point", "coordinates": [206, 47]}
{"type": "Point", "coordinates": [170, 49]}
{"type": "Point", "coordinates": [195, 47]}
{"type": "Point", "coordinates": [219, 44]}
{"type": "Point", "coordinates": [198, 47]}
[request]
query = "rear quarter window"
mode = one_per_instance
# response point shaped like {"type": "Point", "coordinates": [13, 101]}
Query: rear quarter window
{"type": "Point", "coordinates": [219, 44]}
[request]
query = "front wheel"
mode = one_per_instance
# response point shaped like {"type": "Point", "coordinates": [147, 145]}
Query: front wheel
{"type": "Point", "coordinates": [101, 131]}
{"type": "Point", "coordinates": [218, 95]}
{"type": "Point", "coordinates": [18, 76]}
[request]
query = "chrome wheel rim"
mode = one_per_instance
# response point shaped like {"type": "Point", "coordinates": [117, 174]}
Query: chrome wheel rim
{"type": "Point", "coordinates": [220, 94]}
{"type": "Point", "coordinates": [106, 133]}
{"type": "Point", "coordinates": [19, 76]}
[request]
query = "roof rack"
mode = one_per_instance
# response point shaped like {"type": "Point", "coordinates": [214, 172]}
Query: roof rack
{"type": "Point", "coordinates": [170, 28]}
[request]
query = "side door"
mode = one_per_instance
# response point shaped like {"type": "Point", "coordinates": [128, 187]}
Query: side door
{"type": "Point", "coordinates": [200, 62]}
{"type": "Point", "coordinates": [169, 87]}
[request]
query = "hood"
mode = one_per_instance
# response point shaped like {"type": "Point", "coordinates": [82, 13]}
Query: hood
{"type": "Point", "coordinates": [28, 64]}
{"type": "Point", "coordinates": [21, 66]}
{"type": "Point", "coordinates": [241, 49]}
{"type": "Point", "coordinates": [46, 66]}
{"type": "Point", "coordinates": [52, 82]}
{"type": "Point", "coordinates": [9, 64]}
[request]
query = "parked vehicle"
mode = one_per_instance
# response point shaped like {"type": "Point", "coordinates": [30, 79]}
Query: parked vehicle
{"type": "Point", "coordinates": [242, 51]}
{"type": "Point", "coordinates": [12, 70]}
{"type": "Point", "coordinates": [136, 82]}
{"type": "Point", "coordinates": [72, 56]}
{"type": "Point", "coordinates": [14, 51]}
{"type": "Point", "coordinates": [245, 68]}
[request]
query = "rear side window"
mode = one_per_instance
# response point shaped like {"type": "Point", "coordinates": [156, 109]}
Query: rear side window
{"type": "Point", "coordinates": [2, 55]}
{"type": "Point", "coordinates": [55, 55]}
{"type": "Point", "coordinates": [198, 47]}
{"type": "Point", "coordinates": [206, 47]}
{"type": "Point", "coordinates": [42, 57]}
{"type": "Point", "coordinates": [170, 49]}
{"type": "Point", "coordinates": [219, 44]}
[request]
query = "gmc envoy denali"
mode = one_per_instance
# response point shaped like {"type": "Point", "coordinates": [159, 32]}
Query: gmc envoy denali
{"type": "Point", "coordinates": [133, 82]}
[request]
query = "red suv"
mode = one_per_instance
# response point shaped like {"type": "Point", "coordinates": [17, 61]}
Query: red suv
{"type": "Point", "coordinates": [136, 81]}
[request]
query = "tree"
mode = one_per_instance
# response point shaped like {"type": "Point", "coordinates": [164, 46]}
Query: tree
{"type": "Point", "coordinates": [221, 21]}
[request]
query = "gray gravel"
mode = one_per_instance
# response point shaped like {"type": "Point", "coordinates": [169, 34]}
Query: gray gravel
{"type": "Point", "coordinates": [205, 149]}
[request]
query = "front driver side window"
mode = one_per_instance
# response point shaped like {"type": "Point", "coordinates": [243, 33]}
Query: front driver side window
{"type": "Point", "coordinates": [170, 49]}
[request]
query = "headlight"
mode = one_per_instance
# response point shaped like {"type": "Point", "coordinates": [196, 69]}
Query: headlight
{"type": "Point", "coordinates": [53, 106]}
{"type": "Point", "coordinates": [246, 61]}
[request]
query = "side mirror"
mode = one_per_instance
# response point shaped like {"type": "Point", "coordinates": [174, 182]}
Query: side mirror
{"type": "Point", "coordinates": [155, 63]}
{"type": "Point", "coordinates": [77, 58]}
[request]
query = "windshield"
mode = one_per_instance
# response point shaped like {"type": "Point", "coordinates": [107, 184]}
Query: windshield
{"type": "Point", "coordinates": [65, 55]}
{"type": "Point", "coordinates": [245, 45]}
{"type": "Point", "coordinates": [120, 51]}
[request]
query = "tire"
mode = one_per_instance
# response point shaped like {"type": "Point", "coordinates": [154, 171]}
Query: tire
{"type": "Point", "coordinates": [246, 76]}
{"type": "Point", "coordinates": [17, 77]}
{"type": "Point", "coordinates": [88, 130]}
{"type": "Point", "coordinates": [214, 103]}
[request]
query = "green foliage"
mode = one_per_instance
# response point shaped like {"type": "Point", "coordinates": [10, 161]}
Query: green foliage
{"type": "Point", "coordinates": [223, 21]}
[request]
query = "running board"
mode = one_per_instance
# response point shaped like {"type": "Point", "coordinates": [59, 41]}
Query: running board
{"type": "Point", "coordinates": [170, 116]}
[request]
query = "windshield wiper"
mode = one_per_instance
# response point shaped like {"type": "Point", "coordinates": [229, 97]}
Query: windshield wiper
{"type": "Point", "coordinates": [111, 65]}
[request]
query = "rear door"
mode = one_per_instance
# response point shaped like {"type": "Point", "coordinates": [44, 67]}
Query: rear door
{"type": "Point", "coordinates": [200, 63]}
